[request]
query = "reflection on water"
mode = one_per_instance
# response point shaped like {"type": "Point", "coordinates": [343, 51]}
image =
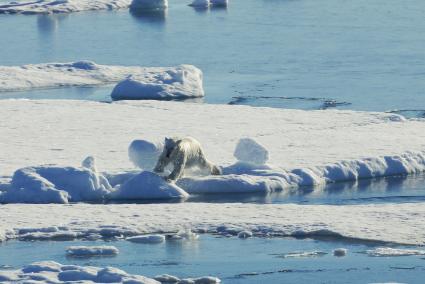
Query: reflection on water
{"type": "Point", "coordinates": [150, 16]}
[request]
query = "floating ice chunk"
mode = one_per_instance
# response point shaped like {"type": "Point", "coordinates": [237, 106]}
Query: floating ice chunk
{"type": "Point", "coordinates": [166, 278]}
{"type": "Point", "coordinates": [85, 251]}
{"type": "Point", "coordinates": [303, 254]}
{"type": "Point", "coordinates": [340, 252]}
{"type": "Point", "coordinates": [55, 185]}
{"type": "Point", "coordinates": [138, 5]}
{"type": "Point", "coordinates": [147, 239]}
{"type": "Point", "coordinates": [201, 280]}
{"type": "Point", "coordinates": [245, 234]}
{"type": "Point", "coordinates": [144, 154]}
{"type": "Point", "coordinates": [182, 82]}
{"type": "Point", "coordinates": [386, 251]}
{"type": "Point", "coordinates": [219, 3]}
{"type": "Point", "coordinates": [250, 151]}
{"type": "Point", "coordinates": [230, 184]}
{"type": "Point", "coordinates": [60, 6]}
{"type": "Point", "coordinates": [185, 234]}
{"type": "Point", "coordinates": [200, 3]}
{"type": "Point", "coordinates": [148, 185]}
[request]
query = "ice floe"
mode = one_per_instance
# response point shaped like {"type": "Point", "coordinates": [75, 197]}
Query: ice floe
{"type": "Point", "coordinates": [60, 6]}
{"type": "Point", "coordinates": [340, 252]}
{"type": "Point", "coordinates": [88, 251]}
{"type": "Point", "coordinates": [147, 239]}
{"type": "Point", "coordinates": [144, 154]}
{"type": "Point", "coordinates": [387, 252]}
{"type": "Point", "coordinates": [392, 223]}
{"type": "Point", "coordinates": [184, 81]}
{"type": "Point", "coordinates": [250, 151]}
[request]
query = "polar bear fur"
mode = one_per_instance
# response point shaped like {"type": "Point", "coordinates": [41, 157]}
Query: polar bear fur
{"type": "Point", "coordinates": [183, 153]}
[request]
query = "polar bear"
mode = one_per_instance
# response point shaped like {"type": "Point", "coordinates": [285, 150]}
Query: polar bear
{"type": "Point", "coordinates": [183, 153]}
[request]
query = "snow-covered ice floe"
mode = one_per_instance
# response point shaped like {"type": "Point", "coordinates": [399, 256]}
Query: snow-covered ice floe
{"type": "Point", "coordinates": [387, 252]}
{"type": "Point", "coordinates": [60, 6]}
{"type": "Point", "coordinates": [53, 272]}
{"type": "Point", "coordinates": [155, 83]}
{"type": "Point", "coordinates": [305, 148]}
{"type": "Point", "coordinates": [88, 251]}
{"type": "Point", "coordinates": [392, 223]}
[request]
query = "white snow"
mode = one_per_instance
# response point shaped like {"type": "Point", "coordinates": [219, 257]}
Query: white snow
{"type": "Point", "coordinates": [148, 4]}
{"type": "Point", "coordinates": [144, 154]}
{"type": "Point", "coordinates": [147, 239]}
{"type": "Point", "coordinates": [53, 272]}
{"type": "Point", "coordinates": [87, 251]}
{"type": "Point", "coordinates": [149, 82]}
{"type": "Point", "coordinates": [250, 151]}
{"type": "Point", "coordinates": [60, 6]}
{"type": "Point", "coordinates": [182, 82]}
{"type": "Point", "coordinates": [397, 223]}
{"type": "Point", "coordinates": [387, 252]}
{"type": "Point", "coordinates": [317, 147]}
{"type": "Point", "coordinates": [147, 185]}
{"type": "Point", "coordinates": [340, 252]}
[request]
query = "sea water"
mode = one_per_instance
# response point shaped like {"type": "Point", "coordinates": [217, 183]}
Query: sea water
{"type": "Point", "coordinates": [308, 54]}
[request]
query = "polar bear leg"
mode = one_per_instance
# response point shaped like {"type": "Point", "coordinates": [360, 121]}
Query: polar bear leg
{"type": "Point", "coordinates": [179, 165]}
{"type": "Point", "coordinates": [210, 167]}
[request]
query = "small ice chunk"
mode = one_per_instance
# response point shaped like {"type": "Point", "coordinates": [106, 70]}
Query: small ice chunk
{"type": "Point", "coordinates": [144, 154]}
{"type": "Point", "coordinates": [139, 5]}
{"type": "Point", "coordinates": [200, 3]}
{"type": "Point", "coordinates": [244, 234]}
{"type": "Point", "coordinates": [166, 278]}
{"type": "Point", "coordinates": [85, 251]}
{"type": "Point", "coordinates": [386, 251]}
{"type": "Point", "coordinates": [148, 185]}
{"type": "Point", "coordinates": [185, 234]}
{"type": "Point", "coordinates": [182, 82]}
{"type": "Point", "coordinates": [340, 252]}
{"type": "Point", "coordinates": [147, 239]}
{"type": "Point", "coordinates": [250, 151]}
{"type": "Point", "coordinates": [201, 280]}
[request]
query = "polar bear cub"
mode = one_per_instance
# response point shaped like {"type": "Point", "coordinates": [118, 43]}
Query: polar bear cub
{"type": "Point", "coordinates": [183, 153]}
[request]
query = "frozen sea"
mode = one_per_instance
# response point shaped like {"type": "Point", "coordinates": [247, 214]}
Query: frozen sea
{"type": "Point", "coordinates": [308, 54]}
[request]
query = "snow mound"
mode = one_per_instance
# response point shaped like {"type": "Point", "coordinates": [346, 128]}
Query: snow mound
{"type": "Point", "coordinates": [60, 6]}
{"type": "Point", "coordinates": [138, 5]}
{"type": "Point", "coordinates": [230, 184]}
{"type": "Point", "coordinates": [185, 79]}
{"type": "Point", "coordinates": [53, 272]}
{"type": "Point", "coordinates": [147, 239]}
{"type": "Point", "coordinates": [183, 82]}
{"type": "Point", "coordinates": [85, 251]}
{"type": "Point", "coordinates": [55, 185]}
{"type": "Point", "coordinates": [144, 154]}
{"type": "Point", "coordinates": [250, 151]}
{"type": "Point", "coordinates": [388, 252]}
{"type": "Point", "coordinates": [148, 185]}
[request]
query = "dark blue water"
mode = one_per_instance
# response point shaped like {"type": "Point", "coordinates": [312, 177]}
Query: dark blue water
{"type": "Point", "coordinates": [233, 260]}
{"type": "Point", "coordinates": [369, 54]}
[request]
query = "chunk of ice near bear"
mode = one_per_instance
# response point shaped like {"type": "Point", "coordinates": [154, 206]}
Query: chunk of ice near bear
{"type": "Point", "coordinates": [148, 185]}
{"type": "Point", "coordinates": [46, 184]}
{"type": "Point", "coordinates": [144, 154]}
{"type": "Point", "coordinates": [89, 251]}
{"type": "Point", "coordinates": [250, 151]}
{"type": "Point", "coordinates": [143, 5]}
{"type": "Point", "coordinates": [182, 82]}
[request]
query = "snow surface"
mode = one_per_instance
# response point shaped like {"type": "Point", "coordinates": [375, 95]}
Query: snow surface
{"type": "Point", "coordinates": [149, 82]}
{"type": "Point", "coordinates": [60, 6]}
{"type": "Point", "coordinates": [395, 223]}
{"type": "Point", "coordinates": [305, 147]}
{"type": "Point", "coordinates": [182, 82]}
{"type": "Point", "coordinates": [53, 272]}
{"type": "Point", "coordinates": [86, 251]}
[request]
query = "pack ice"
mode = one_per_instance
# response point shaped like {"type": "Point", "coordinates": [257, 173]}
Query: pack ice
{"type": "Point", "coordinates": [155, 83]}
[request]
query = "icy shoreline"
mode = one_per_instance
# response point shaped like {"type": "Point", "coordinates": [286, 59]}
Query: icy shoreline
{"type": "Point", "coordinates": [392, 223]}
